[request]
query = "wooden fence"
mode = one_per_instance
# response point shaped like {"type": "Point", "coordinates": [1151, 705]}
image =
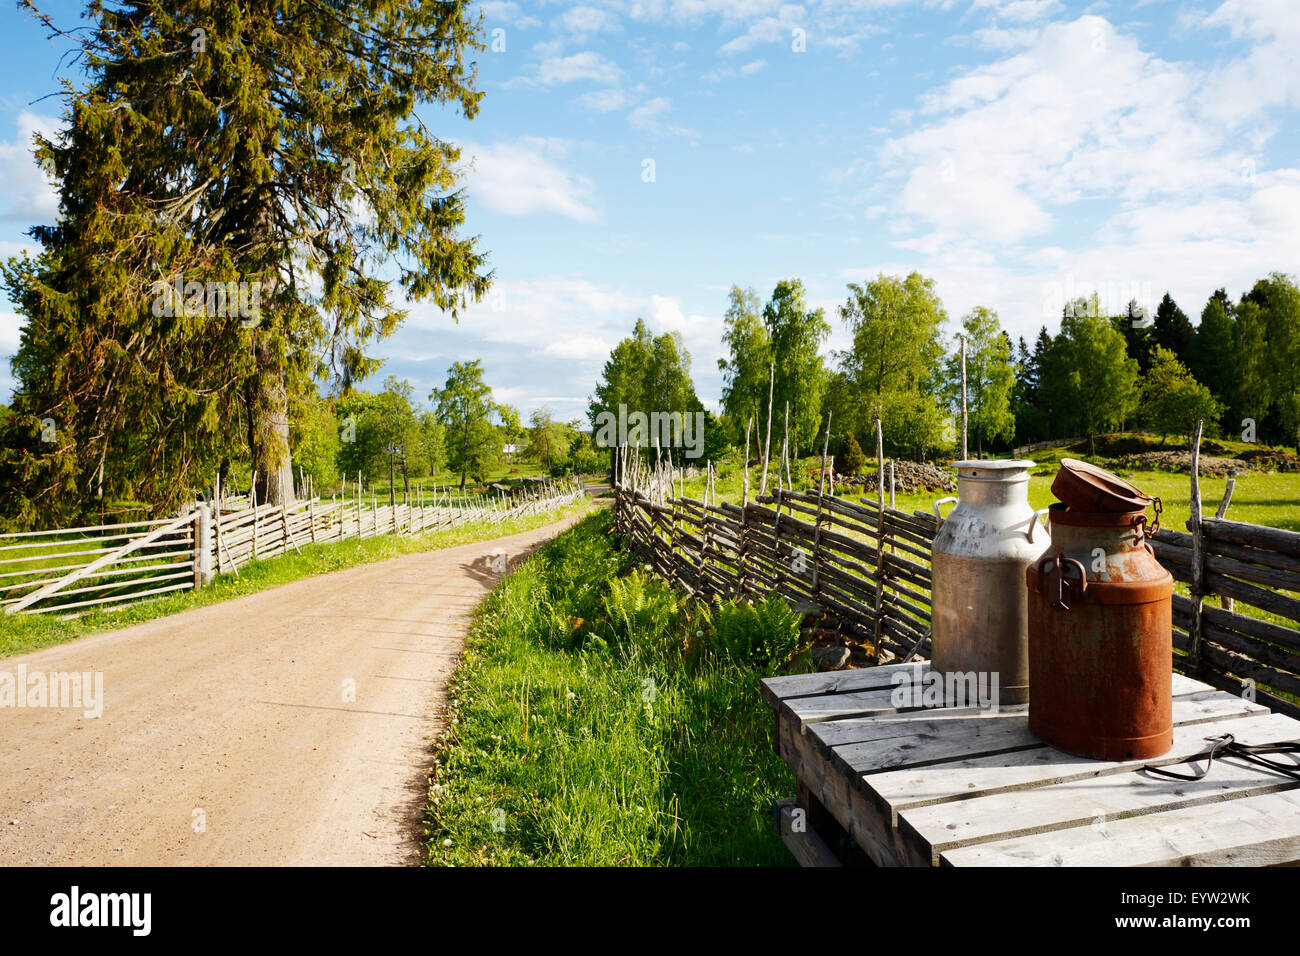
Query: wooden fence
{"type": "Point", "coordinates": [867, 568]}
{"type": "Point", "coordinates": [69, 569]}
{"type": "Point", "coordinates": [821, 551]}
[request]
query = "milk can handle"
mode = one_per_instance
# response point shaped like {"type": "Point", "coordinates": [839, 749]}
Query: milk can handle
{"type": "Point", "coordinates": [1033, 522]}
{"type": "Point", "coordinates": [941, 501]}
{"type": "Point", "coordinates": [1057, 565]}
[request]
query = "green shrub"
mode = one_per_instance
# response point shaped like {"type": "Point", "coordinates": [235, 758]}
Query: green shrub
{"type": "Point", "coordinates": [643, 612]}
{"type": "Point", "coordinates": [764, 634]}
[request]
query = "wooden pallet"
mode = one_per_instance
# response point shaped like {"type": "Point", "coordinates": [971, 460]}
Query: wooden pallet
{"type": "Point", "coordinates": [959, 787]}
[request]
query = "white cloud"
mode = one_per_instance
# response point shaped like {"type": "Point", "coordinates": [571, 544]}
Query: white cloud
{"type": "Point", "coordinates": [1081, 161]}
{"type": "Point", "coordinates": [523, 177]}
{"type": "Point", "coordinates": [649, 117]}
{"type": "Point", "coordinates": [770, 29]}
{"type": "Point", "coordinates": [588, 65]}
{"type": "Point", "coordinates": [1266, 77]}
{"type": "Point", "coordinates": [544, 340]}
{"type": "Point", "coordinates": [31, 197]}
{"type": "Point", "coordinates": [588, 20]}
{"type": "Point", "coordinates": [580, 347]}
{"type": "Point", "coordinates": [1083, 113]}
{"type": "Point", "coordinates": [504, 10]}
{"type": "Point", "coordinates": [646, 116]}
{"type": "Point", "coordinates": [749, 69]}
{"type": "Point", "coordinates": [10, 325]}
{"type": "Point", "coordinates": [1021, 11]}
{"type": "Point", "coordinates": [604, 101]}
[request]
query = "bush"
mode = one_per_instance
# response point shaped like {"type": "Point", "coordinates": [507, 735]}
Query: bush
{"type": "Point", "coordinates": [852, 457]}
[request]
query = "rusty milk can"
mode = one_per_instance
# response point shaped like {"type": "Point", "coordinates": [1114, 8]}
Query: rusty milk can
{"type": "Point", "coordinates": [1100, 626]}
{"type": "Point", "coordinates": [978, 567]}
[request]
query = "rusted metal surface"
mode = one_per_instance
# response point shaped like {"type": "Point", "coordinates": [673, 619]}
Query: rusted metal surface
{"type": "Point", "coordinates": [979, 559]}
{"type": "Point", "coordinates": [1100, 639]}
{"type": "Point", "coordinates": [1084, 487]}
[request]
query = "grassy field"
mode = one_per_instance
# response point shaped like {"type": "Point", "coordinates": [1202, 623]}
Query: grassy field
{"type": "Point", "coordinates": [20, 633]}
{"type": "Point", "coordinates": [1260, 498]}
{"type": "Point", "coordinates": [598, 720]}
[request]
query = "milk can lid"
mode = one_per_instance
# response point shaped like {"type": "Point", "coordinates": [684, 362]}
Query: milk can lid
{"type": "Point", "coordinates": [1085, 487]}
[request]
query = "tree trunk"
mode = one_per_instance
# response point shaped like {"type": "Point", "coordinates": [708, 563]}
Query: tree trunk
{"type": "Point", "coordinates": [406, 480]}
{"type": "Point", "coordinates": [269, 430]}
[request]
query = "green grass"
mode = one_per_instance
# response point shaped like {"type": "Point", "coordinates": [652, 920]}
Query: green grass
{"type": "Point", "coordinates": [20, 633]}
{"type": "Point", "coordinates": [1267, 498]}
{"type": "Point", "coordinates": [597, 719]}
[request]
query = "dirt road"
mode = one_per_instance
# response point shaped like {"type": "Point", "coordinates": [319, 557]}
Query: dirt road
{"type": "Point", "coordinates": [287, 727]}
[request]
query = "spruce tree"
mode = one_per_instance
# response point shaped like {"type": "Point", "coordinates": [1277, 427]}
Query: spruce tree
{"type": "Point", "coordinates": [269, 143]}
{"type": "Point", "coordinates": [1171, 329]}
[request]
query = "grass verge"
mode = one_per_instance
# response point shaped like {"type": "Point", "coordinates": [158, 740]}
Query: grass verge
{"type": "Point", "coordinates": [20, 633]}
{"type": "Point", "coordinates": [597, 719]}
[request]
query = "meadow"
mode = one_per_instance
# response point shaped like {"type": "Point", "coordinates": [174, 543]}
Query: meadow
{"type": "Point", "coordinates": [599, 719]}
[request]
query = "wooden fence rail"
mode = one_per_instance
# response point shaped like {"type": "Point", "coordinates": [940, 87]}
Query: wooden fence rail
{"type": "Point", "coordinates": [867, 569]}
{"type": "Point", "coordinates": [70, 569]}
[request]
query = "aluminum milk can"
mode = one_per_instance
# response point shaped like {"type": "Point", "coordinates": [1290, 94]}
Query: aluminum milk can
{"type": "Point", "coordinates": [980, 556]}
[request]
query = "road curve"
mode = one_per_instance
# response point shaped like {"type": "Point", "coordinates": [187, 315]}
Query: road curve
{"type": "Point", "coordinates": [228, 734]}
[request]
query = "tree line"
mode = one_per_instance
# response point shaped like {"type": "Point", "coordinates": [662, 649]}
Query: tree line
{"type": "Point", "coordinates": [1238, 369]}
{"type": "Point", "coordinates": [463, 433]}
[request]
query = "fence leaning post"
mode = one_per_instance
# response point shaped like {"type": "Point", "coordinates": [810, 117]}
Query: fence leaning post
{"type": "Point", "coordinates": [743, 553]}
{"type": "Point", "coordinates": [1198, 556]}
{"type": "Point", "coordinates": [817, 524]}
{"type": "Point", "coordinates": [880, 535]}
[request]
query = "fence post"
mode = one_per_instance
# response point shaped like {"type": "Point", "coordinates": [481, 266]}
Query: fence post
{"type": "Point", "coordinates": [252, 493]}
{"type": "Point", "coordinates": [1225, 601]}
{"type": "Point", "coordinates": [1198, 557]}
{"type": "Point", "coordinates": [203, 545]}
{"type": "Point", "coordinates": [216, 528]}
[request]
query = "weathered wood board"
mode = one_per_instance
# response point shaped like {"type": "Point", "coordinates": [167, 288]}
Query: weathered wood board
{"type": "Point", "coordinates": [961, 786]}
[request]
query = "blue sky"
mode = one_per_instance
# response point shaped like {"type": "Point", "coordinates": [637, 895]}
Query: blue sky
{"type": "Point", "coordinates": [1017, 151]}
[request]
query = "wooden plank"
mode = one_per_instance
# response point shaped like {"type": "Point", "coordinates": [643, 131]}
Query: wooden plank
{"type": "Point", "coordinates": [830, 734]}
{"type": "Point", "coordinates": [805, 844]}
{"type": "Point", "coordinates": [1251, 831]}
{"type": "Point", "coordinates": [807, 710]}
{"type": "Point", "coordinates": [776, 689]}
{"type": "Point", "coordinates": [1046, 766]}
{"type": "Point", "coordinates": [932, 830]}
{"type": "Point", "coordinates": [841, 799]}
{"type": "Point", "coordinates": [939, 739]}
{"type": "Point", "coordinates": [840, 732]}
